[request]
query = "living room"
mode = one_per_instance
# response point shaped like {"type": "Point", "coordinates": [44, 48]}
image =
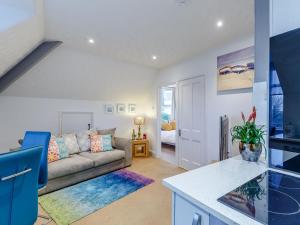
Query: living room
{"type": "Point", "coordinates": [111, 98]}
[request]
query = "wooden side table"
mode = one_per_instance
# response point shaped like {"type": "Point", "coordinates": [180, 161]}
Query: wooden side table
{"type": "Point", "coordinates": [140, 148]}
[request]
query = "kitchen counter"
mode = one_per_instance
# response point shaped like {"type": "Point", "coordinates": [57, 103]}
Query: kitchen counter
{"type": "Point", "coordinates": [202, 187]}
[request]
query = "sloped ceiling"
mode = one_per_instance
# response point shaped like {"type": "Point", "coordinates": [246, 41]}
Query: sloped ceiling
{"type": "Point", "coordinates": [21, 31]}
{"type": "Point", "coordinates": [71, 74]}
{"type": "Point", "coordinates": [134, 30]}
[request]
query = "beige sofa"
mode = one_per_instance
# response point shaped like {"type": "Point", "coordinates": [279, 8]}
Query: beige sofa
{"type": "Point", "coordinates": [86, 165]}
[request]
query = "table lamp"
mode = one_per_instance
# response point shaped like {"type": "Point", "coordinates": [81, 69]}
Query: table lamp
{"type": "Point", "coordinates": [139, 121]}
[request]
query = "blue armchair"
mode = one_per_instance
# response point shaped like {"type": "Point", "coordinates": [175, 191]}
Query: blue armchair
{"type": "Point", "coordinates": [19, 186]}
{"type": "Point", "coordinates": [34, 139]}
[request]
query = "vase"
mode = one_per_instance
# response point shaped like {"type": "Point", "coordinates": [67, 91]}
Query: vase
{"type": "Point", "coordinates": [250, 152]}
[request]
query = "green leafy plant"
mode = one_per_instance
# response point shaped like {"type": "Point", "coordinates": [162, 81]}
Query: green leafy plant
{"type": "Point", "coordinates": [249, 132]}
{"type": "Point", "coordinates": [252, 189]}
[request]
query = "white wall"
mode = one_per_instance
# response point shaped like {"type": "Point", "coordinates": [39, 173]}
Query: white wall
{"type": "Point", "coordinates": [19, 114]}
{"type": "Point", "coordinates": [285, 16]}
{"type": "Point", "coordinates": [230, 103]}
{"type": "Point", "coordinates": [18, 40]}
{"type": "Point", "coordinates": [70, 80]}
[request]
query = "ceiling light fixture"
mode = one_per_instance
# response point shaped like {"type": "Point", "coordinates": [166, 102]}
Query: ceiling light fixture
{"type": "Point", "coordinates": [220, 23]}
{"type": "Point", "coordinates": [181, 2]}
{"type": "Point", "coordinates": [154, 57]}
{"type": "Point", "coordinates": [91, 41]}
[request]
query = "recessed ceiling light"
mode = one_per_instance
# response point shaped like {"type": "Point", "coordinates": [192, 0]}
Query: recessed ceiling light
{"type": "Point", "coordinates": [182, 2]}
{"type": "Point", "coordinates": [91, 41]}
{"type": "Point", "coordinates": [220, 23]}
{"type": "Point", "coordinates": [154, 57]}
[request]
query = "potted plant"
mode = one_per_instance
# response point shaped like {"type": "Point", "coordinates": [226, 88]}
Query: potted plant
{"type": "Point", "coordinates": [250, 137]}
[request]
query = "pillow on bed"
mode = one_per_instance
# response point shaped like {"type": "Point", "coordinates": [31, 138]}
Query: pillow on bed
{"type": "Point", "coordinates": [173, 124]}
{"type": "Point", "coordinates": [166, 127]}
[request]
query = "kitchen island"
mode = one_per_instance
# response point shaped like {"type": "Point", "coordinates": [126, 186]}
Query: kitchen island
{"type": "Point", "coordinates": [196, 192]}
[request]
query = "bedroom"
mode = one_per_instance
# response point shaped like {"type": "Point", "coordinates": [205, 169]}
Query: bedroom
{"type": "Point", "coordinates": [168, 131]}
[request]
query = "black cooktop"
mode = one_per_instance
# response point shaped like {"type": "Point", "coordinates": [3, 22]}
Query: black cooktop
{"type": "Point", "coordinates": [270, 198]}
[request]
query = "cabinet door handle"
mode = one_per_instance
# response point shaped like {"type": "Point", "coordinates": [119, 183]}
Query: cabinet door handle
{"type": "Point", "coordinates": [196, 219]}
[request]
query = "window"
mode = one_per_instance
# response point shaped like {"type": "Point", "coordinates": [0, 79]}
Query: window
{"type": "Point", "coordinates": [167, 104]}
{"type": "Point", "coordinates": [276, 104]}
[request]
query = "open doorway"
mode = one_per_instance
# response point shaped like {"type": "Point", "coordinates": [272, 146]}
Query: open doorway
{"type": "Point", "coordinates": [167, 123]}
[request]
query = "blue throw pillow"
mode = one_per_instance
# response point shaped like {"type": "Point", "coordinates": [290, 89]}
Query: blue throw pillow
{"type": "Point", "coordinates": [107, 142]}
{"type": "Point", "coordinates": [62, 148]}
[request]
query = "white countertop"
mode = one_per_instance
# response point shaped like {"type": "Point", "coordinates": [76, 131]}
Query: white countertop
{"type": "Point", "coordinates": [205, 185]}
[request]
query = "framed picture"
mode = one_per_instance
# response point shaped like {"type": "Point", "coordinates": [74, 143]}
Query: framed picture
{"type": "Point", "coordinates": [109, 109]}
{"type": "Point", "coordinates": [121, 108]}
{"type": "Point", "coordinates": [236, 70]}
{"type": "Point", "coordinates": [131, 108]}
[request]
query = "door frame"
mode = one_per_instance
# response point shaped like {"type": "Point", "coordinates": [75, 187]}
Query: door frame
{"type": "Point", "coordinates": [179, 151]}
{"type": "Point", "coordinates": [158, 112]}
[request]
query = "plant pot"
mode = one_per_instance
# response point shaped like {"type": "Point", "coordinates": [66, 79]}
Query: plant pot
{"type": "Point", "coordinates": [250, 152]}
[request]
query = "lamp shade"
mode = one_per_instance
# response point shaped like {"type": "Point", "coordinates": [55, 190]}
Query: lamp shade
{"type": "Point", "coordinates": [139, 120]}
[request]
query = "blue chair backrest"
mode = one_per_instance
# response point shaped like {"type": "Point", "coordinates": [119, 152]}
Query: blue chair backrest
{"type": "Point", "coordinates": [34, 139]}
{"type": "Point", "coordinates": [19, 186]}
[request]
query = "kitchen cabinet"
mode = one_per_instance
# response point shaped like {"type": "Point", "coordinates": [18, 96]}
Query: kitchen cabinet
{"type": "Point", "coordinates": [186, 213]}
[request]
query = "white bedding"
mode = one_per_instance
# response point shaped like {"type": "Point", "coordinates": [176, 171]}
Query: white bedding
{"type": "Point", "coordinates": [168, 137]}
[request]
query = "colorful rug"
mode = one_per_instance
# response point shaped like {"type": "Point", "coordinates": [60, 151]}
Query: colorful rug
{"type": "Point", "coordinates": [73, 203]}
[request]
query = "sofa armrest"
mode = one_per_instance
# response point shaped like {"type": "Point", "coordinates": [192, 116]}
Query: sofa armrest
{"type": "Point", "coordinates": [125, 145]}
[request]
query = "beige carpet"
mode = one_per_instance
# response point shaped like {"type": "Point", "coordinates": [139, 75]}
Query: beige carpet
{"type": "Point", "coordinates": [150, 205]}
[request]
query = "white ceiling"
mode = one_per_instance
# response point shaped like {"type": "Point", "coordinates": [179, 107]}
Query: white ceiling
{"type": "Point", "coordinates": [134, 30]}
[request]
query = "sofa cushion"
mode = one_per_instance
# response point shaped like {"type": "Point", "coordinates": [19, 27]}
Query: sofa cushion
{"type": "Point", "coordinates": [84, 141]}
{"type": "Point", "coordinates": [111, 131]}
{"type": "Point", "coordinates": [102, 158]}
{"type": "Point", "coordinates": [71, 143]}
{"type": "Point", "coordinates": [62, 148]}
{"type": "Point", "coordinates": [73, 164]}
{"type": "Point", "coordinates": [53, 151]}
{"type": "Point", "coordinates": [107, 142]}
{"type": "Point", "coordinates": [96, 143]}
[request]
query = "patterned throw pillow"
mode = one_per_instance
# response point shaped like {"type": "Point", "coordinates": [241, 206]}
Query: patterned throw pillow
{"type": "Point", "coordinates": [111, 131]}
{"type": "Point", "coordinates": [96, 143]}
{"type": "Point", "coordinates": [107, 142]}
{"type": "Point", "coordinates": [71, 143]}
{"type": "Point", "coordinates": [84, 141]}
{"type": "Point", "coordinates": [62, 148]}
{"type": "Point", "coordinates": [53, 154]}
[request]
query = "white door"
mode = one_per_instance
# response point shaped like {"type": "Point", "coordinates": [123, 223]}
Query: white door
{"type": "Point", "coordinates": [191, 114]}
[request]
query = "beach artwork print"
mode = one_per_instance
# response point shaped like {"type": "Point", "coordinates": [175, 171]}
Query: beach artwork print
{"type": "Point", "coordinates": [236, 70]}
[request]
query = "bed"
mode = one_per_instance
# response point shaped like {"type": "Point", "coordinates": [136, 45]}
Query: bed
{"type": "Point", "coordinates": [168, 137]}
